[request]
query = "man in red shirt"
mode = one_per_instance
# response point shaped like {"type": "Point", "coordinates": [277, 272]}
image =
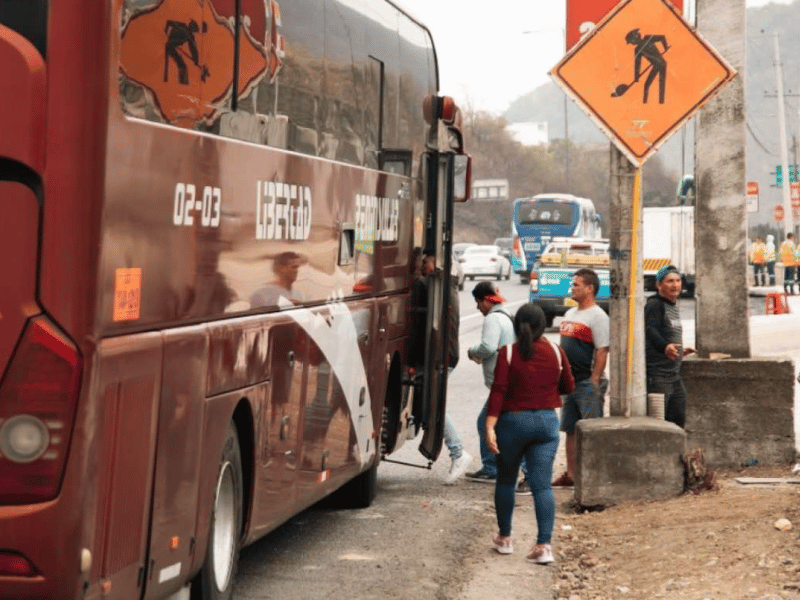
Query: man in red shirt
{"type": "Point", "coordinates": [585, 340]}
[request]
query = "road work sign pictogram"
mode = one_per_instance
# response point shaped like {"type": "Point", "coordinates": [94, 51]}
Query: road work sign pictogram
{"type": "Point", "coordinates": [640, 74]}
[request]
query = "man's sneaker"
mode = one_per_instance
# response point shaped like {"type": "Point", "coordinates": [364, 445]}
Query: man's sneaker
{"type": "Point", "coordinates": [481, 476]}
{"type": "Point", "coordinates": [524, 488]}
{"type": "Point", "coordinates": [502, 545]}
{"type": "Point", "coordinates": [564, 481]}
{"type": "Point", "coordinates": [541, 555]}
{"type": "Point", "coordinates": [458, 467]}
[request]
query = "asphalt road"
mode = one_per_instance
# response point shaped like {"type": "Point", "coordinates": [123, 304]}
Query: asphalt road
{"type": "Point", "coordinates": [421, 539]}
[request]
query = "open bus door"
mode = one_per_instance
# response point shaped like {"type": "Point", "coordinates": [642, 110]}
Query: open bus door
{"type": "Point", "coordinates": [448, 181]}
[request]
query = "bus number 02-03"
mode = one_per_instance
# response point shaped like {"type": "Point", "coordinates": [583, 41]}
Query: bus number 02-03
{"type": "Point", "coordinates": [186, 202]}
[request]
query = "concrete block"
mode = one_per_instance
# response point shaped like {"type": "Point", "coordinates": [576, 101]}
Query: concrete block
{"type": "Point", "coordinates": [740, 409]}
{"type": "Point", "coordinates": [628, 458]}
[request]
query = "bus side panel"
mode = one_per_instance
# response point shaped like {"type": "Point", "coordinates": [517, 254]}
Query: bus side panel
{"type": "Point", "coordinates": [120, 462]}
{"type": "Point", "coordinates": [177, 470]}
{"type": "Point", "coordinates": [18, 239]}
{"type": "Point", "coordinates": [277, 471]}
{"type": "Point", "coordinates": [332, 447]}
{"type": "Point", "coordinates": [77, 110]}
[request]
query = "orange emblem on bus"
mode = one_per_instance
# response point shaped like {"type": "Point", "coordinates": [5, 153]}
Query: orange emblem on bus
{"type": "Point", "coordinates": [182, 53]}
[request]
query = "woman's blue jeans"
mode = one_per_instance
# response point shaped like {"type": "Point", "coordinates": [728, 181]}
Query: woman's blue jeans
{"type": "Point", "coordinates": [532, 434]}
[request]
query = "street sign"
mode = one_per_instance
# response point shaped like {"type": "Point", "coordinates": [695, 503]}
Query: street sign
{"type": "Point", "coordinates": [751, 196]}
{"type": "Point", "coordinates": [582, 16]}
{"type": "Point", "coordinates": [640, 74]}
{"type": "Point", "coordinates": [794, 194]}
{"type": "Point", "coordinates": [777, 212]}
{"type": "Point", "coordinates": [793, 172]}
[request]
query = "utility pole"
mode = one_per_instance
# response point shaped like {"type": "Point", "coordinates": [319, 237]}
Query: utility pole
{"type": "Point", "coordinates": [626, 302]}
{"type": "Point", "coordinates": [788, 221]}
{"type": "Point", "coordinates": [722, 310]}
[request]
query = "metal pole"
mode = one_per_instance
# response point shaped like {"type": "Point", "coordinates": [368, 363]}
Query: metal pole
{"type": "Point", "coordinates": [788, 223]}
{"type": "Point", "coordinates": [566, 147]}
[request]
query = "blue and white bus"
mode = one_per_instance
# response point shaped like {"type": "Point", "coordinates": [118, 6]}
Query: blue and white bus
{"type": "Point", "coordinates": [535, 221]}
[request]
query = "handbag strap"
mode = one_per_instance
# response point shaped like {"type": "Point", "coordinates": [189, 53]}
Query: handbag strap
{"type": "Point", "coordinates": [555, 347]}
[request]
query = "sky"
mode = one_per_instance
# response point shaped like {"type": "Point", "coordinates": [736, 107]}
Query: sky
{"type": "Point", "coordinates": [471, 36]}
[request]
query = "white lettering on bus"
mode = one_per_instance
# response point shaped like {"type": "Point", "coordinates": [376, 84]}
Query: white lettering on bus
{"type": "Point", "coordinates": [283, 211]}
{"type": "Point", "coordinates": [186, 203]}
{"type": "Point", "coordinates": [376, 218]}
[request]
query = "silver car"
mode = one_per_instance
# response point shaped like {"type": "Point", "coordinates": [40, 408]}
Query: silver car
{"type": "Point", "coordinates": [485, 261]}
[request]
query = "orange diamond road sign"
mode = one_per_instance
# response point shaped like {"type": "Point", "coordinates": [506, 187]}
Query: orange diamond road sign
{"type": "Point", "coordinates": [640, 74]}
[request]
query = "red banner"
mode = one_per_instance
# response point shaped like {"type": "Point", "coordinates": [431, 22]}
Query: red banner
{"type": "Point", "coordinates": [583, 15]}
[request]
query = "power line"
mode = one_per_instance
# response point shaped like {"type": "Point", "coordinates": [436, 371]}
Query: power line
{"type": "Point", "coordinates": [757, 141]}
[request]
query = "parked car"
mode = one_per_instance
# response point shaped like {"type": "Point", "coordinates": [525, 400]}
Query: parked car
{"type": "Point", "coordinates": [485, 261]}
{"type": "Point", "coordinates": [458, 249]}
{"type": "Point", "coordinates": [505, 245]}
{"type": "Point", "coordinates": [457, 272]}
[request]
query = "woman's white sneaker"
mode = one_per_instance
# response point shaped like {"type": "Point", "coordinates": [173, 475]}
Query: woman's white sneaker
{"type": "Point", "coordinates": [541, 555]}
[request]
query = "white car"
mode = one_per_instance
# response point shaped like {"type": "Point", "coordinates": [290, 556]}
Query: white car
{"type": "Point", "coordinates": [485, 261]}
{"type": "Point", "coordinates": [457, 272]}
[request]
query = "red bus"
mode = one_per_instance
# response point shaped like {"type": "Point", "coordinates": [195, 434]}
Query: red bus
{"type": "Point", "coordinates": [209, 313]}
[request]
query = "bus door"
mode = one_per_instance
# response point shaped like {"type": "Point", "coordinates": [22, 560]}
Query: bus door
{"type": "Point", "coordinates": [438, 243]}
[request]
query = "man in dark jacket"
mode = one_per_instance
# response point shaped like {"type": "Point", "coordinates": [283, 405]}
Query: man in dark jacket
{"type": "Point", "coordinates": [664, 349]}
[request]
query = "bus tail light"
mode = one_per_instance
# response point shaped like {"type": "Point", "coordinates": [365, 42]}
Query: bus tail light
{"type": "Point", "coordinates": [534, 282]}
{"type": "Point", "coordinates": [516, 246]}
{"type": "Point", "coordinates": [15, 565]}
{"type": "Point", "coordinates": [38, 398]}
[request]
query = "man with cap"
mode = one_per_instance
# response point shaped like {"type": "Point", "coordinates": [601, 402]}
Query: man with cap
{"type": "Point", "coordinates": [498, 332]}
{"type": "Point", "coordinates": [664, 349]}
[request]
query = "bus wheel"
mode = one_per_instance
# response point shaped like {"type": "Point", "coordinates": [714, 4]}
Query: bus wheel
{"type": "Point", "coordinates": [359, 492]}
{"type": "Point", "coordinates": [215, 580]}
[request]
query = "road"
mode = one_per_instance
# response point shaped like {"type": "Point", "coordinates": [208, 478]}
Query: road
{"type": "Point", "coordinates": [421, 539]}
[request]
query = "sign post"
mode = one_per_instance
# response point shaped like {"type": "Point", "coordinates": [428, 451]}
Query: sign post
{"type": "Point", "coordinates": [752, 196]}
{"type": "Point", "coordinates": [639, 74]}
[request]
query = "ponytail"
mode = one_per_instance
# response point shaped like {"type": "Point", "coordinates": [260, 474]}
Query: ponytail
{"type": "Point", "coordinates": [525, 341]}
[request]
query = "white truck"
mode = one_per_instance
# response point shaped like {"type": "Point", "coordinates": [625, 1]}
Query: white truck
{"type": "Point", "coordinates": [668, 233]}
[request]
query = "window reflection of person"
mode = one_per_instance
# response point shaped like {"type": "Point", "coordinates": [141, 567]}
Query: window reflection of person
{"type": "Point", "coordinates": [286, 267]}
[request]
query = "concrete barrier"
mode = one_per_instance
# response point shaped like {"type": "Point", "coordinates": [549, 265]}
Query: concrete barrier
{"type": "Point", "coordinates": [628, 458]}
{"type": "Point", "coordinates": [740, 410]}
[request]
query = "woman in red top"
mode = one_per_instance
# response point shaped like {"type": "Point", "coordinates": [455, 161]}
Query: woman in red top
{"type": "Point", "coordinates": [522, 421]}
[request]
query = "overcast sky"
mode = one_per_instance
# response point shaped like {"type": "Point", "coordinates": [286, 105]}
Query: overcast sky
{"type": "Point", "coordinates": [486, 60]}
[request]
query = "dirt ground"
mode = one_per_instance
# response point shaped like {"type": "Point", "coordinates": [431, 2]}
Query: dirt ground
{"type": "Point", "coordinates": [710, 545]}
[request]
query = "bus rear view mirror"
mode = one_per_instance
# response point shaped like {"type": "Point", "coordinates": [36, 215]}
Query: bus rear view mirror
{"type": "Point", "coordinates": [462, 177]}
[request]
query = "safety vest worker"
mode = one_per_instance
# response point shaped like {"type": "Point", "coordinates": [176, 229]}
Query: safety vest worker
{"type": "Point", "coordinates": [757, 251]}
{"type": "Point", "coordinates": [788, 251]}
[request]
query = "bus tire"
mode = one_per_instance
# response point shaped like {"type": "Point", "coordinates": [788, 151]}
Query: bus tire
{"type": "Point", "coordinates": [215, 579]}
{"type": "Point", "coordinates": [359, 492]}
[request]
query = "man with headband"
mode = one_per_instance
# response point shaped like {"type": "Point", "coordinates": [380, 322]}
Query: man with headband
{"type": "Point", "coordinates": [498, 331]}
{"type": "Point", "coordinates": [664, 349]}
